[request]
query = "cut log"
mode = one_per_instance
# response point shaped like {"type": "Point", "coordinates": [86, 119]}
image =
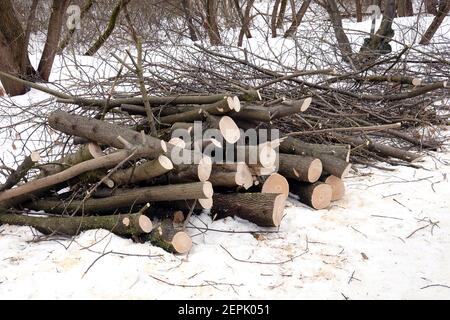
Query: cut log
{"type": "Point", "coordinates": [337, 186]}
{"type": "Point", "coordinates": [301, 168]}
{"type": "Point", "coordinates": [335, 166]}
{"type": "Point", "coordinates": [143, 172]}
{"type": "Point", "coordinates": [231, 175]}
{"type": "Point", "coordinates": [263, 155]}
{"type": "Point", "coordinates": [107, 161]}
{"type": "Point", "coordinates": [277, 111]}
{"type": "Point", "coordinates": [276, 183]}
{"type": "Point", "coordinates": [122, 199]}
{"type": "Point", "coordinates": [121, 224]}
{"type": "Point", "coordinates": [246, 95]}
{"type": "Point", "coordinates": [316, 195]}
{"type": "Point", "coordinates": [104, 133]}
{"type": "Point", "coordinates": [295, 146]}
{"type": "Point", "coordinates": [169, 238]}
{"type": "Point", "coordinates": [263, 209]}
{"type": "Point", "coordinates": [218, 108]}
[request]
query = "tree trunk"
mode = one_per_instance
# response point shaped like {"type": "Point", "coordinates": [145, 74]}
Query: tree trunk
{"type": "Point", "coordinates": [109, 28]}
{"type": "Point", "coordinates": [281, 14]}
{"type": "Point", "coordinates": [211, 23]}
{"type": "Point", "coordinates": [13, 50]}
{"type": "Point", "coordinates": [273, 18]}
{"type": "Point", "coordinates": [246, 24]}
{"type": "Point", "coordinates": [359, 15]}
{"type": "Point", "coordinates": [298, 19]}
{"type": "Point", "coordinates": [187, 9]}
{"type": "Point", "coordinates": [127, 224]}
{"type": "Point", "coordinates": [443, 11]}
{"type": "Point", "coordinates": [241, 17]}
{"type": "Point", "coordinates": [342, 39]}
{"type": "Point", "coordinates": [53, 35]}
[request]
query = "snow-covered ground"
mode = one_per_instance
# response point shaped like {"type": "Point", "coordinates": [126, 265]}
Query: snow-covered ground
{"type": "Point", "coordinates": [388, 238]}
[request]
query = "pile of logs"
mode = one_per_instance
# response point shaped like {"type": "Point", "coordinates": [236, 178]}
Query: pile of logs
{"type": "Point", "coordinates": [124, 179]}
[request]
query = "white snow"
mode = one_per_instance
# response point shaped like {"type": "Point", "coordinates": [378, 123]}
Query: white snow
{"type": "Point", "coordinates": [388, 238]}
{"type": "Point", "coordinates": [370, 234]}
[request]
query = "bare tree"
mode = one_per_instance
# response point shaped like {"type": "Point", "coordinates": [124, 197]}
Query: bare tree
{"type": "Point", "coordinates": [358, 10]}
{"type": "Point", "coordinates": [211, 25]}
{"type": "Point", "coordinates": [431, 6]}
{"type": "Point", "coordinates": [281, 14]}
{"type": "Point", "coordinates": [444, 8]}
{"type": "Point", "coordinates": [109, 28]}
{"type": "Point", "coordinates": [298, 19]}
{"type": "Point", "coordinates": [247, 20]}
{"type": "Point", "coordinates": [53, 35]}
{"type": "Point", "coordinates": [404, 8]}
{"type": "Point", "coordinates": [241, 17]}
{"type": "Point", "coordinates": [187, 8]}
{"type": "Point", "coordinates": [273, 18]}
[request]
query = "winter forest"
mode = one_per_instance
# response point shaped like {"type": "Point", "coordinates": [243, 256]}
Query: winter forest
{"type": "Point", "coordinates": [224, 149]}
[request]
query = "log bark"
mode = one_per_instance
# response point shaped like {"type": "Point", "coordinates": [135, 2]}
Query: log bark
{"type": "Point", "coordinates": [109, 28]}
{"type": "Point", "coordinates": [334, 158]}
{"type": "Point", "coordinates": [53, 35]}
{"type": "Point", "coordinates": [121, 224]}
{"type": "Point", "coordinates": [218, 108]}
{"type": "Point", "coordinates": [104, 133]}
{"type": "Point", "coordinates": [268, 114]}
{"type": "Point", "coordinates": [107, 161]}
{"type": "Point", "coordinates": [169, 238]}
{"type": "Point", "coordinates": [316, 195]}
{"type": "Point", "coordinates": [263, 209]}
{"type": "Point", "coordinates": [301, 168]}
{"type": "Point", "coordinates": [142, 172]}
{"type": "Point", "coordinates": [127, 198]}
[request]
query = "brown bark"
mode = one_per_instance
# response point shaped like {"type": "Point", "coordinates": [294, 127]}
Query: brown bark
{"type": "Point", "coordinates": [263, 209]}
{"type": "Point", "coordinates": [53, 35]}
{"type": "Point", "coordinates": [444, 8]}
{"type": "Point", "coordinates": [342, 39]}
{"type": "Point", "coordinates": [358, 10]}
{"type": "Point", "coordinates": [281, 14]}
{"type": "Point", "coordinates": [13, 50]}
{"type": "Point", "coordinates": [187, 10]}
{"type": "Point", "coordinates": [18, 174]}
{"type": "Point", "coordinates": [109, 28]}
{"type": "Point", "coordinates": [211, 25]}
{"type": "Point", "coordinates": [127, 224]}
{"type": "Point", "coordinates": [126, 198]}
{"type": "Point", "coordinates": [298, 19]}
{"type": "Point", "coordinates": [431, 6]}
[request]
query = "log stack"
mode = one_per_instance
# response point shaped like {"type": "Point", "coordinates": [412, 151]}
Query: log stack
{"type": "Point", "coordinates": [134, 184]}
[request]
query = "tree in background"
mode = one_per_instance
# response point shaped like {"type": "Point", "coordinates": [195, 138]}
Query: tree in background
{"type": "Point", "coordinates": [14, 40]}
